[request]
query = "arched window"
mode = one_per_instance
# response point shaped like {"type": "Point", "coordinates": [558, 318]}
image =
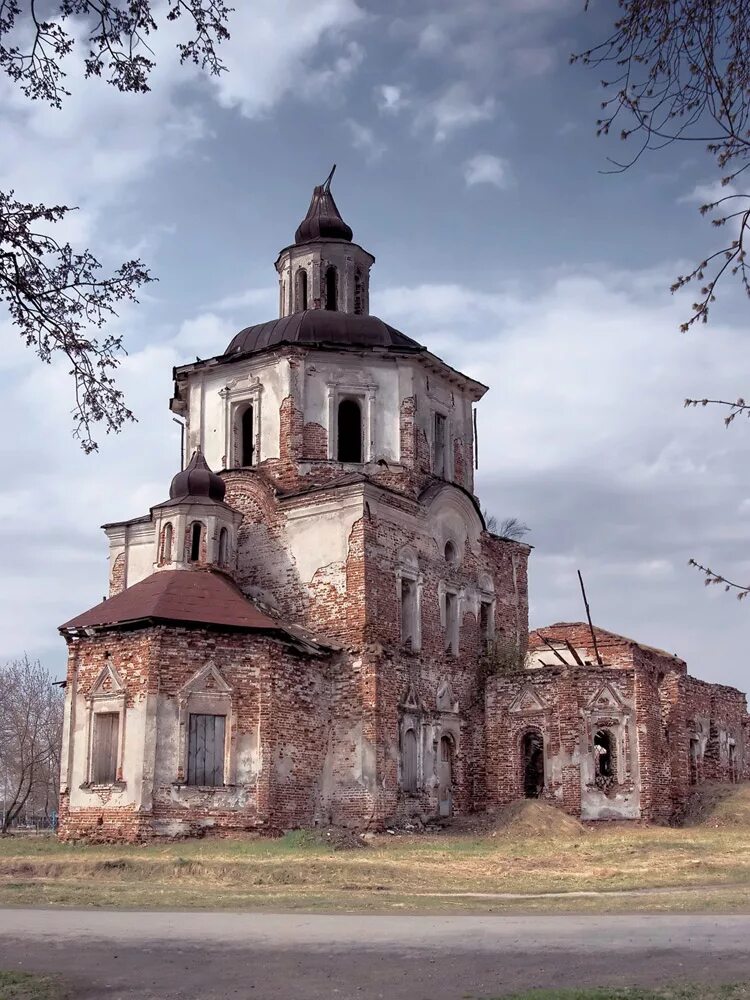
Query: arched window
{"type": "Point", "coordinates": [223, 547]}
{"type": "Point", "coordinates": [450, 552]}
{"type": "Point", "coordinates": [349, 431]}
{"type": "Point", "coordinates": [301, 290]}
{"type": "Point", "coordinates": [409, 761]}
{"type": "Point", "coordinates": [166, 544]}
{"type": "Point", "coordinates": [358, 303]}
{"type": "Point", "coordinates": [532, 748]}
{"type": "Point", "coordinates": [196, 539]}
{"type": "Point", "coordinates": [332, 288]}
{"type": "Point", "coordinates": [247, 452]}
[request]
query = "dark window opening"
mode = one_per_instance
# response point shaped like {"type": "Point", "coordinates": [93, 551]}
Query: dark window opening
{"type": "Point", "coordinates": [301, 290]}
{"type": "Point", "coordinates": [533, 765]}
{"type": "Point", "coordinates": [733, 775]}
{"type": "Point", "coordinates": [106, 736]}
{"type": "Point", "coordinates": [332, 289]}
{"type": "Point", "coordinates": [605, 759]}
{"type": "Point", "coordinates": [196, 537]}
{"type": "Point", "coordinates": [450, 552]}
{"type": "Point", "coordinates": [358, 301]}
{"type": "Point", "coordinates": [248, 436]}
{"type": "Point", "coordinates": [438, 445]}
{"type": "Point", "coordinates": [206, 750]}
{"type": "Point", "coordinates": [409, 761]}
{"type": "Point", "coordinates": [350, 431]}
{"type": "Point", "coordinates": [223, 547]}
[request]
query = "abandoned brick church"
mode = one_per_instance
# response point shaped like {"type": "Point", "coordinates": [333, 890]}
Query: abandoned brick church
{"type": "Point", "coordinates": [323, 630]}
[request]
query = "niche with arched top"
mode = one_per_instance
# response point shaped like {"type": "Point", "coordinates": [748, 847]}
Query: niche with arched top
{"type": "Point", "coordinates": [165, 556]}
{"type": "Point", "coordinates": [300, 290]}
{"type": "Point", "coordinates": [223, 559]}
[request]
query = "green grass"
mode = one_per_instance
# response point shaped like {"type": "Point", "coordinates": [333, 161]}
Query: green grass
{"type": "Point", "coordinates": [21, 986]}
{"type": "Point", "coordinates": [738, 991]}
{"type": "Point", "coordinates": [613, 867]}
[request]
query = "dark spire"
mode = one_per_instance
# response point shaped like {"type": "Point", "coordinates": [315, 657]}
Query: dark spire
{"type": "Point", "coordinates": [323, 219]}
{"type": "Point", "coordinates": [197, 481]}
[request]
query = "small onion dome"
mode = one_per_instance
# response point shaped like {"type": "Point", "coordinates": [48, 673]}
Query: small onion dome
{"type": "Point", "coordinates": [197, 480]}
{"type": "Point", "coordinates": [323, 220]}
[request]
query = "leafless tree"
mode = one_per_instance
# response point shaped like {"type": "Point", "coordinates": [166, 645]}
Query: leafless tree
{"type": "Point", "coordinates": [56, 295]}
{"type": "Point", "coordinates": [512, 528]}
{"type": "Point", "coordinates": [679, 71]}
{"type": "Point", "coordinates": [31, 710]}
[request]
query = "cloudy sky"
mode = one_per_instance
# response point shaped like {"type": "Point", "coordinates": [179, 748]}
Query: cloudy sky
{"type": "Point", "coordinates": [468, 164]}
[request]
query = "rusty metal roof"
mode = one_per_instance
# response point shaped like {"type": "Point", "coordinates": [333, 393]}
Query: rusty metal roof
{"type": "Point", "coordinates": [324, 328]}
{"type": "Point", "coordinates": [323, 219]}
{"type": "Point", "coordinates": [200, 597]}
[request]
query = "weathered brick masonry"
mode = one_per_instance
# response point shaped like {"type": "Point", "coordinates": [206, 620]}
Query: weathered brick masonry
{"type": "Point", "coordinates": [326, 631]}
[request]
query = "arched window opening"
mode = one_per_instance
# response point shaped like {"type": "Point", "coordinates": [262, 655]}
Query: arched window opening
{"type": "Point", "coordinates": [223, 547]}
{"type": "Point", "coordinates": [532, 747]}
{"type": "Point", "coordinates": [196, 539]}
{"type": "Point", "coordinates": [605, 759]}
{"type": "Point", "coordinates": [358, 303]}
{"type": "Point", "coordinates": [248, 437]}
{"type": "Point", "coordinates": [409, 761]}
{"type": "Point", "coordinates": [450, 552]}
{"type": "Point", "coordinates": [301, 290]}
{"type": "Point", "coordinates": [166, 544]}
{"type": "Point", "coordinates": [350, 431]}
{"type": "Point", "coordinates": [332, 288]}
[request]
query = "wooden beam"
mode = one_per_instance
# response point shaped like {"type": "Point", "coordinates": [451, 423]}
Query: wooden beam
{"type": "Point", "coordinates": [574, 653]}
{"type": "Point", "coordinates": [588, 615]}
{"type": "Point", "coordinates": [557, 653]}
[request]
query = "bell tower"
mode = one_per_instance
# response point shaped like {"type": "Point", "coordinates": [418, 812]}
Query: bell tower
{"type": "Point", "coordinates": [324, 268]}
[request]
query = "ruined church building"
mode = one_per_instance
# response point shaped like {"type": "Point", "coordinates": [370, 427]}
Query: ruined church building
{"type": "Point", "coordinates": [324, 631]}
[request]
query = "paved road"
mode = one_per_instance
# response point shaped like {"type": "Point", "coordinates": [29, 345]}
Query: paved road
{"type": "Point", "coordinates": [212, 956]}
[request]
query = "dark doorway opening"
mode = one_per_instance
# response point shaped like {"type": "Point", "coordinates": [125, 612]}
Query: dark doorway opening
{"type": "Point", "coordinates": [533, 765]}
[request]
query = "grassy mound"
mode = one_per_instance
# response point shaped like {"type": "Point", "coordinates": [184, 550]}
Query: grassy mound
{"type": "Point", "coordinates": [718, 804]}
{"type": "Point", "coordinates": [531, 818]}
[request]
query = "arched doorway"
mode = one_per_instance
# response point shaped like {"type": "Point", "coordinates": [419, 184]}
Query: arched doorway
{"type": "Point", "coordinates": [532, 748]}
{"type": "Point", "coordinates": [445, 775]}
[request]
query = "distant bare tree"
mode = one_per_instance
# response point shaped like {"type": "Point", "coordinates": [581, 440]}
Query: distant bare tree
{"type": "Point", "coordinates": [680, 72]}
{"type": "Point", "coordinates": [512, 528]}
{"type": "Point", "coordinates": [56, 295]}
{"type": "Point", "coordinates": [31, 711]}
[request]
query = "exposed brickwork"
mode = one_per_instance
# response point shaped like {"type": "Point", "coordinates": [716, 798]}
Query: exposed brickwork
{"type": "Point", "coordinates": [314, 442]}
{"type": "Point", "coordinates": [117, 575]}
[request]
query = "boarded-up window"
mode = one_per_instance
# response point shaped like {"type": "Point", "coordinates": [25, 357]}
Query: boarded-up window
{"type": "Point", "coordinates": [438, 445]}
{"type": "Point", "coordinates": [206, 750]}
{"type": "Point", "coordinates": [409, 761]}
{"type": "Point", "coordinates": [104, 757]}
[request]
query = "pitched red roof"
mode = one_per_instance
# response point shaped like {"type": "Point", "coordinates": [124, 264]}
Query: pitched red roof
{"type": "Point", "coordinates": [202, 597]}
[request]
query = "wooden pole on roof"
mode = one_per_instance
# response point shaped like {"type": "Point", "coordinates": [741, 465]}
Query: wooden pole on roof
{"type": "Point", "coordinates": [588, 615]}
{"type": "Point", "coordinates": [557, 653]}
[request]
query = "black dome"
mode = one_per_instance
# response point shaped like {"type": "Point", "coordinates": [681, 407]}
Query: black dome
{"type": "Point", "coordinates": [321, 327]}
{"type": "Point", "coordinates": [197, 480]}
{"type": "Point", "coordinates": [323, 220]}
